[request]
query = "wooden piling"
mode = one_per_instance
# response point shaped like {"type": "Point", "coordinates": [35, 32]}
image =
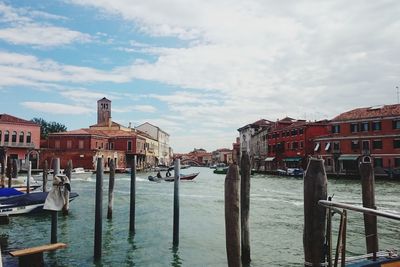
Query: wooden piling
{"type": "Point", "coordinates": [111, 190]}
{"type": "Point", "coordinates": [28, 178]}
{"type": "Point", "coordinates": [232, 213]}
{"type": "Point", "coordinates": [98, 226]}
{"type": "Point", "coordinates": [177, 167]}
{"type": "Point", "coordinates": [2, 166]}
{"type": "Point", "coordinates": [14, 173]}
{"type": "Point", "coordinates": [68, 173]}
{"type": "Point", "coordinates": [368, 199]}
{"type": "Point", "coordinates": [245, 171]}
{"type": "Point", "coordinates": [45, 173]}
{"type": "Point", "coordinates": [315, 189]}
{"type": "Point", "coordinates": [54, 214]}
{"type": "Point", "coordinates": [132, 209]}
{"type": "Point", "coordinates": [9, 171]}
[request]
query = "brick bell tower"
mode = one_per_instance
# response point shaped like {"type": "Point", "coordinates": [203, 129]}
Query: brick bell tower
{"type": "Point", "coordinates": [103, 111]}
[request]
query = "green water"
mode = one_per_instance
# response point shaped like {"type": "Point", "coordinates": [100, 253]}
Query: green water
{"type": "Point", "coordinates": [276, 223]}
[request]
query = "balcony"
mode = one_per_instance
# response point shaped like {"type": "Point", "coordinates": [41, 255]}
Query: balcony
{"type": "Point", "coordinates": [18, 145]}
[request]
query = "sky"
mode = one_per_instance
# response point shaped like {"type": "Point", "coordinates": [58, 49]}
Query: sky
{"type": "Point", "coordinates": [197, 69]}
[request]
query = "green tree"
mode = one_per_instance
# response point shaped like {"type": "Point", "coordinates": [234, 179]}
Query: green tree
{"type": "Point", "coordinates": [49, 127]}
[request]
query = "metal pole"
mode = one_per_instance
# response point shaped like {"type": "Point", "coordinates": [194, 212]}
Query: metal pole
{"type": "Point", "coordinates": [28, 179]}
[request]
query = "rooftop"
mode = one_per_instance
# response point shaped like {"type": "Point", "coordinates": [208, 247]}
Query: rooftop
{"type": "Point", "coordinates": [370, 112]}
{"type": "Point", "coordinates": [6, 118]}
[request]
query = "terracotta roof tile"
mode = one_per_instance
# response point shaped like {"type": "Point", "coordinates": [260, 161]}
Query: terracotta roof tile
{"type": "Point", "coordinates": [370, 112]}
{"type": "Point", "coordinates": [6, 118]}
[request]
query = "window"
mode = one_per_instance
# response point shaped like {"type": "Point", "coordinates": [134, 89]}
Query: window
{"type": "Point", "coordinates": [316, 148]}
{"type": "Point", "coordinates": [294, 132]}
{"type": "Point", "coordinates": [81, 144]}
{"type": "Point", "coordinates": [336, 146]}
{"type": "Point", "coordinates": [21, 137]}
{"type": "Point", "coordinates": [328, 146]}
{"type": "Point", "coordinates": [28, 138]}
{"type": "Point", "coordinates": [129, 146]}
{"type": "Point", "coordinates": [377, 144]}
{"type": "Point", "coordinates": [378, 162]}
{"type": "Point", "coordinates": [365, 127]}
{"type": "Point", "coordinates": [7, 136]}
{"type": "Point", "coordinates": [355, 145]}
{"type": "Point", "coordinates": [57, 144]}
{"type": "Point", "coordinates": [295, 145]}
{"type": "Point", "coordinates": [396, 124]}
{"type": "Point", "coordinates": [328, 162]}
{"type": "Point", "coordinates": [301, 145]}
{"type": "Point", "coordinates": [397, 162]}
{"type": "Point", "coordinates": [376, 126]}
{"type": "Point", "coordinates": [0, 136]}
{"type": "Point", "coordinates": [111, 146]}
{"type": "Point", "coordinates": [354, 127]}
{"type": "Point", "coordinates": [336, 128]}
{"type": "Point", "coordinates": [396, 143]}
{"type": "Point", "coordinates": [14, 137]}
{"type": "Point", "coordinates": [301, 131]}
{"type": "Point", "coordinates": [69, 144]}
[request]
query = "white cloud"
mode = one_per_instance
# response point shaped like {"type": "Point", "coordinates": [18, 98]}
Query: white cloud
{"type": "Point", "coordinates": [56, 108]}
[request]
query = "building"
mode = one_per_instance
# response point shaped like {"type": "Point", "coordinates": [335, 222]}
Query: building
{"type": "Point", "coordinates": [290, 142]}
{"type": "Point", "coordinates": [370, 131]}
{"type": "Point", "coordinates": [20, 139]}
{"type": "Point", "coordinates": [236, 151]}
{"type": "Point", "coordinates": [162, 137]}
{"type": "Point", "coordinates": [250, 139]}
{"type": "Point", "coordinates": [197, 157]}
{"type": "Point", "coordinates": [222, 155]}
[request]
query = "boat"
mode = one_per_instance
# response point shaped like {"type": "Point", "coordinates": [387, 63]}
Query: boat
{"type": "Point", "coordinates": [221, 170]}
{"type": "Point", "coordinates": [9, 192]}
{"type": "Point", "coordinates": [155, 179]}
{"type": "Point", "coordinates": [296, 172]}
{"type": "Point", "coordinates": [26, 203]}
{"type": "Point", "coordinates": [185, 177]}
{"type": "Point", "coordinates": [80, 173]}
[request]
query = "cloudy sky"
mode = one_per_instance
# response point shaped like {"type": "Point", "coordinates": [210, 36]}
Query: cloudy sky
{"type": "Point", "coordinates": [198, 69]}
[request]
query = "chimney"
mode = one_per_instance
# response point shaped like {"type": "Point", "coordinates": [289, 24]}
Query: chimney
{"type": "Point", "coordinates": [130, 125]}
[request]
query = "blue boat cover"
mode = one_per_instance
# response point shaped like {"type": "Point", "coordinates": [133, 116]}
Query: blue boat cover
{"type": "Point", "coordinates": [29, 199]}
{"type": "Point", "coordinates": [7, 192]}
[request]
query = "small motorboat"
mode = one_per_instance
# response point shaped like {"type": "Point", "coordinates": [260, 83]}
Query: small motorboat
{"type": "Point", "coordinates": [155, 179]}
{"type": "Point", "coordinates": [184, 177]}
{"type": "Point", "coordinates": [26, 203]}
{"type": "Point", "coordinates": [221, 170]}
{"type": "Point", "coordinates": [80, 173]}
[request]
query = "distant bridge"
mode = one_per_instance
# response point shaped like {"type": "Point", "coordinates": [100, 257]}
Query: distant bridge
{"type": "Point", "coordinates": [192, 162]}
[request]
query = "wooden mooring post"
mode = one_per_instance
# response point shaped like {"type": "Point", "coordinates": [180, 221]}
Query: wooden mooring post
{"type": "Point", "coordinates": [132, 208]}
{"type": "Point", "coordinates": [45, 174]}
{"type": "Point", "coordinates": [111, 190]}
{"type": "Point", "coordinates": [68, 173]}
{"type": "Point", "coordinates": [9, 171]}
{"type": "Point", "coordinates": [54, 214]}
{"type": "Point", "coordinates": [368, 199]}
{"type": "Point", "coordinates": [245, 171]}
{"type": "Point", "coordinates": [14, 173]}
{"type": "Point", "coordinates": [2, 166]}
{"type": "Point", "coordinates": [177, 178]}
{"type": "Point", "coordinates": [232, 216]}
{"type": "Point", "coordinates": [28, 178]}
{"type": "Point", "coordinates": [315, 189]}
{"type": "Point", "coordinates": [98, 225]}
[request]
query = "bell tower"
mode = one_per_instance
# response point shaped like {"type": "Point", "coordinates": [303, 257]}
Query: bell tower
{"type": "Point", "coordinates": [103, 111]}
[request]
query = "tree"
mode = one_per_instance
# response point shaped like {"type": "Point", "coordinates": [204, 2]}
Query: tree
{"type": "Point", "coordinates": [49, 127]}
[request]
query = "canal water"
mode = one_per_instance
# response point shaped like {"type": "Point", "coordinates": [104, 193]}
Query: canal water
{"type": "Point", "coordinates": [276, 223]}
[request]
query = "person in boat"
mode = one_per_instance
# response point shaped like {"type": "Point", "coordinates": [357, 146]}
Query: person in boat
{"type": "Point", "coordinates": [168, 174]}
{"type": "Point", "coordinates": [159, 174]}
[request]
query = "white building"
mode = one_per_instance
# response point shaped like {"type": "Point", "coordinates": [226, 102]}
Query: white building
{"type": "Point", "coordinates": [162, 137]}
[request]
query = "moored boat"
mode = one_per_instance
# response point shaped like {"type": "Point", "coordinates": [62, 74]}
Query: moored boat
{"type": "Point", "coordinates": [26, 203]}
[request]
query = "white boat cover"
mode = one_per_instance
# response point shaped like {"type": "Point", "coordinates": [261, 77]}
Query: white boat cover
{"type": "Point", "coordinates": [59, 194]}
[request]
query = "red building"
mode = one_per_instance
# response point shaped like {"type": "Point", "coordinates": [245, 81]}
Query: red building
{"type": "Point", "coordinates": [370, 131]}
{"type": "Point", "coordinates": [290, 142]}
{"type": "Point", "coordinates": [19, 139]}
{"type": "Point", "coordinates": [84, 146]}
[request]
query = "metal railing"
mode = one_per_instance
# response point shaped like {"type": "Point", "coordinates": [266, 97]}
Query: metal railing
{"type": "Point", "coordinates": [15, 144]}
{"type": "Point", "coordinates": [342, 208]}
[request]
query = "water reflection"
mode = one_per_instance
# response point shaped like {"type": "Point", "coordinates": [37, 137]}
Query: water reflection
{"type": "Point", "coordinates": [176, 260]}
{"type": "Point", "coordinates": [129, 259]}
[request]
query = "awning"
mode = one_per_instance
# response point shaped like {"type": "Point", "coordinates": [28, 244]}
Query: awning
{"type": "Point", "coordinates": [316, 147]}
{"type": "Point", "coordinates": [269, 159]}
{"type": "Point", "coordinates": [348, 157]}
{"type": "Point", "coordinates": [327, 146]}
{"type": "Point", "coordinates": [292, 159]}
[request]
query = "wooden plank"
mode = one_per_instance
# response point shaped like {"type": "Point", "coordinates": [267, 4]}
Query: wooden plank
{"type": "Point", "coordinates": [39, 249]}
